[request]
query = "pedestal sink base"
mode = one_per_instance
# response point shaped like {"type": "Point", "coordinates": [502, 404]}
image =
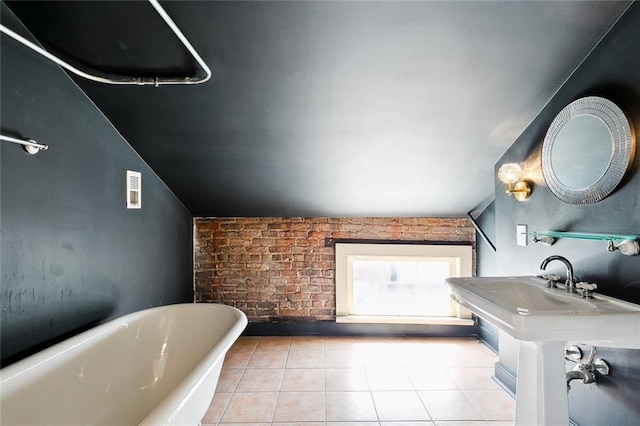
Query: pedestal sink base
{"type": "Point", "coordinates": [542, 387]}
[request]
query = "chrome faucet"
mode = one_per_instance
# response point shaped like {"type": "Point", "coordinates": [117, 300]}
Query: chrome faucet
{"type": "Point", "coordinates": [570, 284]}
{"type": "Point", "coordinates": [586, 372]}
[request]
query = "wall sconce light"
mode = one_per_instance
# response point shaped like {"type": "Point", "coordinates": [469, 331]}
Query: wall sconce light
{"type": "Point", "coordinates": [512, 175]}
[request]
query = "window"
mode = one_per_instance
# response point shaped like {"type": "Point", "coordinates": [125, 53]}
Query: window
{"type": "Point", "coordinates": [399, 283]}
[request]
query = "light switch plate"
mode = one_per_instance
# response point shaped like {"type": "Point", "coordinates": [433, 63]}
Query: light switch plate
{"type": "Point", "coordinates": [521, 235]}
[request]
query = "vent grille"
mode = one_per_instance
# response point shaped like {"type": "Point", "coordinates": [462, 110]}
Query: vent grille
{"type": "Point", "coordinates": [134, 190]}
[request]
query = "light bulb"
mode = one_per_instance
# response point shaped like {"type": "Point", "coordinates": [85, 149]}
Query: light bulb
{"type": "Point", "coordinates": [510, 173]}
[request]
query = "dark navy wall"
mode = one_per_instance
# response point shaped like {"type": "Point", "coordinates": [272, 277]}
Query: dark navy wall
{"type": "Point", "coordinates": [610, 71]}
{"type": "Point", "coordinates": [71, 254]}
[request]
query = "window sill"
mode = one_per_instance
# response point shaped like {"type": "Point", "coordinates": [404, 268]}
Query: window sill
{"type": "Point", "coordinates": [367, 319]}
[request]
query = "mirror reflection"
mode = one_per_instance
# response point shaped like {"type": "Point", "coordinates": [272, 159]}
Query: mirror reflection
{"type": "Point", "coordinates": [581, 151]}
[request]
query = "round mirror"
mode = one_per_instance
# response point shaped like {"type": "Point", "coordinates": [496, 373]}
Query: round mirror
{"type": "Point", "coordinates": [587, 150]}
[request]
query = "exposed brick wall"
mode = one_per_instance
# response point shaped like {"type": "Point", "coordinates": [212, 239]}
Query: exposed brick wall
{"type": "Point", "coordinates": [278, 268]}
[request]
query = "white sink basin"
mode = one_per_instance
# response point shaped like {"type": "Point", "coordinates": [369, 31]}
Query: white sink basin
{"type": "Point", "coordinates": [542, 320]}
{"type": "Point", "coordinates": [529, 311]}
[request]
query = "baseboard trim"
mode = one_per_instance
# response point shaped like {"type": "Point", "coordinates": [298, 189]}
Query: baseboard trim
{"type": "Point", "coordinates": [331, 328]}
{"type": "Point", "coordinates": [505, 378]}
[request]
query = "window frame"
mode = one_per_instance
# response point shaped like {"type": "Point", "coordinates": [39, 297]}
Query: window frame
{"type": "Point", "coordinates": [346, 252]}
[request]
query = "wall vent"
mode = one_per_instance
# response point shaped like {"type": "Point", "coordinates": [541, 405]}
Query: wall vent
{"type": "Point", "coordinates": [134, 190]}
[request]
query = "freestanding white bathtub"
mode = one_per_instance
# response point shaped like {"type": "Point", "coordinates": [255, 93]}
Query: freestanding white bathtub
{"type": "Point", "coordinates": [154, 367]}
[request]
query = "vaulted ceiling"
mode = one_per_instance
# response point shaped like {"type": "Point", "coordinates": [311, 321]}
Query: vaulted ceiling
{"type": "Point", "coordinates": [326, 108]}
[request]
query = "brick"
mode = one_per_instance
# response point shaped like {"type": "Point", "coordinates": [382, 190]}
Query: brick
{"type": "Point", "coordinates": [295, 297]}
{"type": "Point", "coordinates": [301, 226]}
{"type": "Point", "coordinates": [321, 281]}
{"type": "Point", "coordinates": [281, 225]}
{"type": "Point", "coordinates": [299, 250]}
{"type": "Point", "coordinates": [207, 225]}
{"type": "Point", "coordinates": [290, 313]}
{"type": "Point", "coordinates": [277, 280]}
{"type": "Point", "coordinates": [280, 249]}
{"type": "Point", "coordinates": [320, 312]}
{"type": "Point", "coordinates": [253, 225]}
{"type": "Point", "coordinates": [232, 225]}
{"type": "Point", "coordinates": [263, 242]}
{"type": "Point", "coordinates": [270, 234]}
{"type": "Point", "coordinates": [286, 242]}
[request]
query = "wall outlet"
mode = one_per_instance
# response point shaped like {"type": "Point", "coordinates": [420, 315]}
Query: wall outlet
{"type": "Point", "coordinates": [521, 235]}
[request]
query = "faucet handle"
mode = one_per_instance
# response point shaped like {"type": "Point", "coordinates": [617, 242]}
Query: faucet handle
{"type": "Point", "coordinates": [551, 279]}
{"type": "Point", "coordinates": [586, 289]}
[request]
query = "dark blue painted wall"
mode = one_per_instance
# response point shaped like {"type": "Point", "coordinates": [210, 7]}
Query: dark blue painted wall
{"type": "Point", "coordinates": [71, 254]}
{"type": "Point", "coordinates": [610, 71]}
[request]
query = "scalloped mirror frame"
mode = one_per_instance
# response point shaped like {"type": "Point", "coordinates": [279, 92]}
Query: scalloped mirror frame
{"type": "Point", "coordinates": [623, 149]}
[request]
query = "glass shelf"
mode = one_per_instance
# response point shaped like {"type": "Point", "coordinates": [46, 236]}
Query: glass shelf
{"type": "Point", "coordinates": [583, 235]}
{"type": "Point", "coordinates": [625, 244]}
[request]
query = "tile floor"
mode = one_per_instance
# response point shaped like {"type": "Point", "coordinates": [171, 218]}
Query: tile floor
{"type": "Point", "coordinates": [359, 381]}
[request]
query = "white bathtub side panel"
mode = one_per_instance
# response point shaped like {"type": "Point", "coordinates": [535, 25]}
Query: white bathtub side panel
{"type": "Point", "coordinates": [69, 383]}
{"type": "Point", "coordinates": [189, 409]}
{"type": "Point", "coordinates": [189, 402]}
{"type": "Point", "coordinates": [121, 371]}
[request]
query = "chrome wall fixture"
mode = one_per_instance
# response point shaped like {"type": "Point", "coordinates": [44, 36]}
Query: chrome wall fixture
{"type": "Point", "coordinates": [588, 372]}
{"type": "Point", "coordinates": [125, 80]}
{"type": "Point", "coordinates": [29, 145]}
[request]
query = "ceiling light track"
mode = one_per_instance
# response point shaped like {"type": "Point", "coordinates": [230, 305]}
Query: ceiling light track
{"type": "Point", "coordinates": [126, 80]}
